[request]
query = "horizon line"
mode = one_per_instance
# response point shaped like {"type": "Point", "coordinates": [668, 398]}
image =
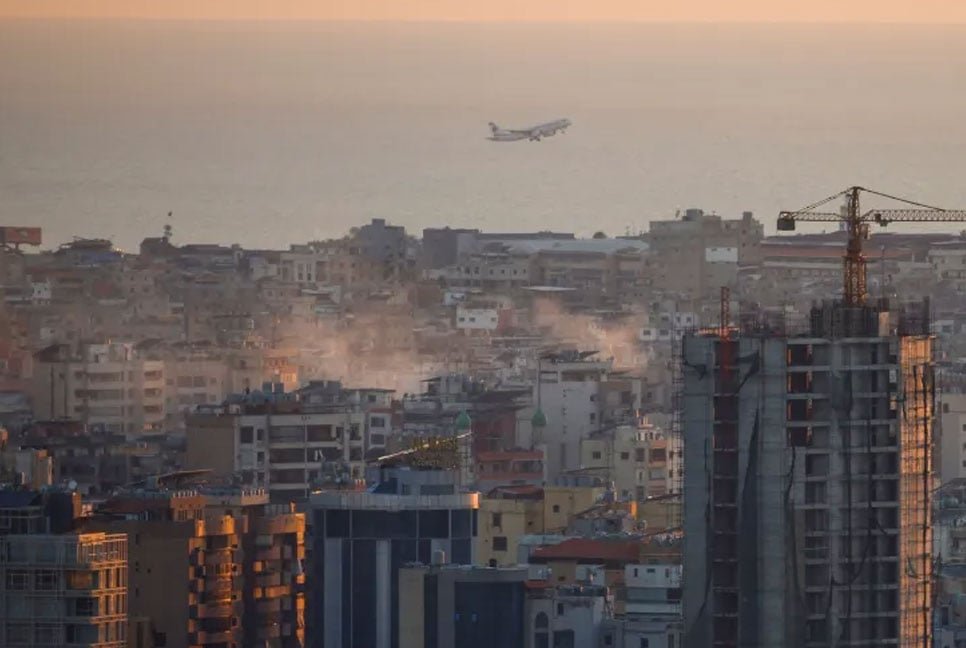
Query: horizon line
{"type": "Point", "coordinates": [484, 21]}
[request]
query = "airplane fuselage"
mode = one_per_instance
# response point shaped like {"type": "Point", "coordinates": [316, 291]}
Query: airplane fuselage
{"type": "Point", "coordinates": [534, 133]}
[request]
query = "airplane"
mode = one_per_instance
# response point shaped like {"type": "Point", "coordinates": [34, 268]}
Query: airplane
{"type": "Point", "coordinates": [533, 134]}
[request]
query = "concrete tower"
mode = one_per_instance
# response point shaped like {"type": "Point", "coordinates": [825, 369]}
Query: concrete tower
{"type": "Point", "coordinates": [808, 473]}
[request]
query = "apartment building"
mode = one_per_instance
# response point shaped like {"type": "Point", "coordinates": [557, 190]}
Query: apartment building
{"type": "Point", "coordinates": [274, 441]}
{"type": "Point", "coordinates": [698, 253]}
{"type": "Point", "coordinates": [271, 553]}
{"type": "Point", "coordinates": [633, 458]}
{"type": "Point", "coordinates": [64, 590]}
{"type": "Point", "coordinates": [183, 575]}
{"type": "Point", "coordinates": [109, 386]}
{"type": "Point", "coordinates": [579, 394]}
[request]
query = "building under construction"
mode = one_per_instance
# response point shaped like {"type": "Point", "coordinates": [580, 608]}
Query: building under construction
{"type": "Point", "coordinates": [808, 455]}
{"type": "Point", "coordinates": [807, 517]}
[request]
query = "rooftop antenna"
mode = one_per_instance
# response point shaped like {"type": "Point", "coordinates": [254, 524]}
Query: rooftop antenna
{"type": "Point", "coordinates": [168, 229]}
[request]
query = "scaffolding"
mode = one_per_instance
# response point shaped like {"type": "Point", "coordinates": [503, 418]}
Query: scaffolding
{"type": "Point", "coordinates": [916, 483]}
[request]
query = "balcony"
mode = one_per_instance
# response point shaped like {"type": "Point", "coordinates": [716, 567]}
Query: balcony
{"type": "Point", "coordinates": [273, 592]}
{"type": "Point", "coordinates": [214, 610]}
{"type": "Point", "coordinates": [219, 557]}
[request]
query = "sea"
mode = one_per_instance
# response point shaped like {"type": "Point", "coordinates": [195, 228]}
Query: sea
{"type": "Point", "coordinates": [269, 133]}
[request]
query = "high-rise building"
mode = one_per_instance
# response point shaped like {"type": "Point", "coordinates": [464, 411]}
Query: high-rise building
{"type": "Point", "coordinates": [108, 386]}
{"type": "Point", "coordinates": [217, 567]}
{"type": "Point", "coordinates": [183, 574]}
{"type": "Point", "coordinates": [360, 540]}
{"type": "Point", "coordinates": [63, 590]}
{"type": "Point", "coordinates": [808, 481]}
{"type": "Point", "coordinates": [271, 554]}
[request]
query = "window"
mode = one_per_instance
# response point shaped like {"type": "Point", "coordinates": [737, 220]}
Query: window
{"type": "Point", "coordinates": [377, 422]}
{"type": "Point", "coordinates": [17, 580]}
{"type": "Point", "coordinates": [645, 643]}
{"type": "Point", "coordinates": [497, 520]}
{"type": "Point", "coordinates": [46, 580]}
{"type": "Point", "coordinates": [46, 634]}
{"type": "Point", "coordinates": [625, 456]}
{"type": "Point", "coordinates": [564, 639]}
{"type": "Point", "coordinates": [556, 507]}
{"type": "Point", "coordinates": [596, 455]}
{"type": "Point", "coordinates": [499, 543]}
{"type": "Point", "coordinates": [246, 434]}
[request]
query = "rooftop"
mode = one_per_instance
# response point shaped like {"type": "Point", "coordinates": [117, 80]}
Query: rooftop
{"type": "Point", "coordinates": [626, 549]}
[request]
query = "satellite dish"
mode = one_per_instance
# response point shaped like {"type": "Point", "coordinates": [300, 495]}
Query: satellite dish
{"type": "Point", "coordinates": [72, 485]}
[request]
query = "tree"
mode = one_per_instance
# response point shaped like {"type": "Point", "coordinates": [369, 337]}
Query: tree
{"type": "Point", "coordinates": [599, 235]}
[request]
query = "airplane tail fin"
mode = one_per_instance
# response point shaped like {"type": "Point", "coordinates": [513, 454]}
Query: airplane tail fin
{"type": "Point", "coordinates": [494, 128]}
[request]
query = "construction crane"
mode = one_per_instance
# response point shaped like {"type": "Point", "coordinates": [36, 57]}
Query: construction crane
{"type": "Point", "coordinates": [856, 224]}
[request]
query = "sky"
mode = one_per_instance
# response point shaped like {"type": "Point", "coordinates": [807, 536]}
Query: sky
{"type": "Point", "coordinates": [900, 11]}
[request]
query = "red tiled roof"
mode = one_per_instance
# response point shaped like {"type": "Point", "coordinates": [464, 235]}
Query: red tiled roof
{"type": "Point", "coordinates": [586, 549]}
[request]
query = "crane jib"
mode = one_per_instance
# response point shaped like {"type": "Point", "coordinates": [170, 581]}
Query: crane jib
{"type": "Point", "coordinates": [857, 225]}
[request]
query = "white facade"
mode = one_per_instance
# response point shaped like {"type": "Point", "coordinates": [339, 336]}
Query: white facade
{"type": "Point", "coordinates": [288, 453]}
{"type": "Point", "coordinates": [653, 590]}
{"type": "Point", "coordinates": [721, 254]}
{"type": "Point", "coordinates": [477, 319]}
{"type": "Point", "coordinates": [298, 265]}
{"type": "Point", "coordinates": [949, 264]}
{"type": "Point", "coordinates": [952, 409]}
{"type": "Point", "coordinates": [569, 616]}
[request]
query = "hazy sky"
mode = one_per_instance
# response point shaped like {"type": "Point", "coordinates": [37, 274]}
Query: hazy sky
{"type": "Point", "coordinates": [930, 11]}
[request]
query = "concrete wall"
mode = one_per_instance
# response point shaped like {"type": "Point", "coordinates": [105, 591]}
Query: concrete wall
{"type": "Point", "coordinates": [412, 608]}
{"type": "Point", "coordinates": [517, 518]}
{"type": "Point", "coordinates": [952, 408]}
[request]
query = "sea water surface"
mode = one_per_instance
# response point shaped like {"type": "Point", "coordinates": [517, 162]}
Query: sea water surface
{"type": "Point", "coordinates": [270, 133]}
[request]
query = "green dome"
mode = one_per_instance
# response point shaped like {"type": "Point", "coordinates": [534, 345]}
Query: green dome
{"type": "Point", "coordinates": [539, 419]}
{"type": "Point", "coordinates": [463, 422]}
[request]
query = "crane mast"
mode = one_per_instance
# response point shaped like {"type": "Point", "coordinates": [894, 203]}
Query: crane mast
{"type": "Point", "coordinates": [856, 225]}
